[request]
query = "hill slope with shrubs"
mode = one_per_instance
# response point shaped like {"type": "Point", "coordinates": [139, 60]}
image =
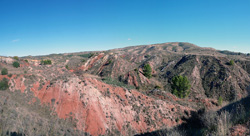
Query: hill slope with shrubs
{"type": "Point", "coordinates": [126, 91]}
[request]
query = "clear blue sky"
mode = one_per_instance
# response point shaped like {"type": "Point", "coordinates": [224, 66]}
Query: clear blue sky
{"type": "Point", "coordinates": [37, 27]}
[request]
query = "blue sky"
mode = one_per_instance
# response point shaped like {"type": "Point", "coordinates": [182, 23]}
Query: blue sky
{"type": "Point", "coordinates": [38, 27]}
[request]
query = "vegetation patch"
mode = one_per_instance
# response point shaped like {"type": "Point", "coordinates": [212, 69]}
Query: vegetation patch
{"type": "Point", "coordinates": [4, 84]}
{"type": "Point", "coordinates": [83, 60]}
{"type": "Point", "coordinates": [231, 53]}
{"type": "Point", "coordinates": [109, 62]}
{"type": "Point", "coordinates": [147, 70]}
{"type": "Point", "coordinates": [46, 62]}
{"type": "Point", "coordinates": [157, 87]}
{"type": "Point", "coordinates": [231, 63]}
{"type": "Point", "coordinates": [4, 71]}
{"type": "Point", "coordinates": [16, 64]}
{"type": "Point", "coordinates": [180, 86]}
{"type": "Point", "coordinates": [67, 67]}
{"type": "Point", "coordinates": [70, 55]}
{"type": "Point", "coordinates": [220, 100]}
{"type": "Point", "coordinates": [111, 81]}
{"type": "Point", "coordinates": [89, 55]}
{"type": "Point", "coordinates": [16, 58]}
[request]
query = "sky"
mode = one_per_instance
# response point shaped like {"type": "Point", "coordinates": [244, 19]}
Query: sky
{"type": "Point", "coordinates": [40, 27]}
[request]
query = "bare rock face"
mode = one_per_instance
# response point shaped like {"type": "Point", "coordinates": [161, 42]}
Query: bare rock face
{"type": "Point", "coordinates": [6, 60]}
{"type": "Point", "coordinates": [102, 109]}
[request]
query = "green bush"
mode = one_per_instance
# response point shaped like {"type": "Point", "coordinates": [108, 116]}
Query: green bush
{"type": "Point", "coordinates": [16, 57]}
{"type": "Point", "coordinates": [84, 55]}
{"type": "Point", "coordinates": [89, 55]}
{"type": "Point", "coordinates": [147, 71]}
{"type": "Point", "coordinates": [4, 84]}
{"type": "Point", "coordinates": [180, 86]}
{"type": "Point", "coordinates": [147, 56]}
{"type": "Point", "coordinates": [231, 63]}
{"type": "Point", "coordinates": [109, 80]}
{"type": "Point", "coordinates": [67, 67]}
{"type": "Point", "coordinates": [70, 55]}
{"type": "Point", "coordinates": [26, 61]}
{"type": "Point", "coordinates": [109, 62]}
{"type": "Point", "coordinates": [16, 64]}
{"type": "Point", "coordinates": [177, 119]}
{"type": "Point", "coordinates": [157, 87]}
{"type": "Point", "coordinates": [220, 100]}
{"type": "Point", "coordinates": [4, 71]}
{"type": "Point", "coordinates": [10, 75]}
{"type": "Point", "coordinates": [46, 62]}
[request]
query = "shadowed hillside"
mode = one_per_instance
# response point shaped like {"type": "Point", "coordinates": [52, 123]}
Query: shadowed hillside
{"type": "Point", "coordinates": [235, 118]}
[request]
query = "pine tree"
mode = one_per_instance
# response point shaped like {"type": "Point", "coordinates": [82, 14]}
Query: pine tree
{"type": "Point", "coordinates": [147, 71]}
{"type": "Point", "coordinates": [180, 86]}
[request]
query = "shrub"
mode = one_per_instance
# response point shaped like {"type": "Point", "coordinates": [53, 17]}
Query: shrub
{"type": "Point", "coordinates": [241, 115]}
{"type": "Point", "coordinates": [231, 63]}
{"type": "Point", "coordinates": [220, 100]}
{"type": "Point", "coordinates": [224, 124]}
{"type": "Point", "coordinates": [147, 71]}
{"type": "Point", "coordinates": [177, 119]}
{"type": "Point", "coordinates": [157, 87]}
{"type": "Point", "coordinates": [69, 55]}
{"type": "Point", "coordinates": [46, 62]}
{"type": "Point", "coordinates": [91, 55]}
{"type": "Point", "coordinates": [67, 67]}
{"type": "Point", "coordinates": [10, 75]}
{"type": "Point", "coordinates": [16, 64]}
{"type": "Point", "coordinates": [87, 55]}
{"type": "Point", "coordinates": [16, 57]}
{"type": "Point", "coordinates": [84, 55]}
{"type": "Point", "coordinates": [209, 121]}
{"type": "Point", "coordinates": [26, 61]}
{"type": "Point", "coordinates": [110, 61]}
{"type": "Point", "coordinates": [4, 71]}
{"type": "Point", "coordinates": [180, 86]}
{"type": "Point", "coordinates": [147, 56]}
{"type": "Point", "coordinates": [109, 80]}
{"type": "Point", "coordinates": [4, 84]}
{"type": "Point", "coordinates": [216, 124]}
{"type": "Point", "coordinates": [83, 60]}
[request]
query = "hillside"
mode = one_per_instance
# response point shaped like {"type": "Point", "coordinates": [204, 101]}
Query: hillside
{"type": "Point", "coordinates": [107, 92]}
